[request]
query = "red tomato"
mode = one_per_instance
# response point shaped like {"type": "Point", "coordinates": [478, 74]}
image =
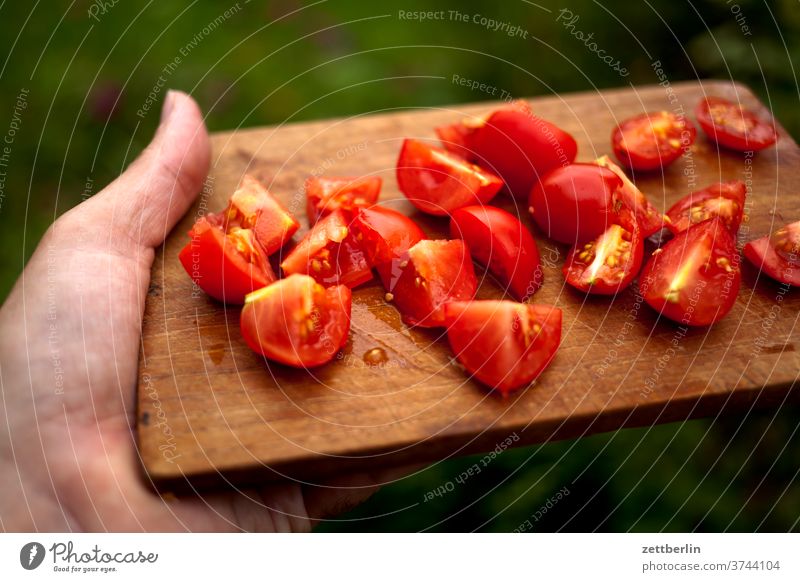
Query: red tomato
{"type": "Point", "coordinates": [499, 241]}
{"type": "Point", "coordinates": [297, 321]}
{"type": "Point", "coordinates": [606, 265]}
{"type": "Point", "coordinates": [695, 278]}
{"type": "Point", "coordinates": [504, 344]}
{"type": "Point", "coordinates": [778, 255]}
{"type": "Point", "coordinates": [437, 181]}
{"type": "Point", "coordinates": [652, 140]}
{"type": "Point", "coordinates": [457, 137]}
{"type": "Point", "coordinates": [732, 126]}
{"type": "Point", "coordinates": [227, 266]}
{"type": "Point", "coordinates": [386, 235]}
{"type": "Point", "coordinates": [330, 253]}
{"type": "Point", "coordinates": [522, 148]}
{"type": "Point", "coordinates": [324, 195]}
{"type": "Point", "coordinates": [575, 203]}
{"type": "Point", "coordinates": [725, 200]}
{"type": "Point", "coordinates": [648, 218]}
{"type": "Point", "coordinates": [253, 207]}
{"type": "Point", "coordinates": [437, 271]}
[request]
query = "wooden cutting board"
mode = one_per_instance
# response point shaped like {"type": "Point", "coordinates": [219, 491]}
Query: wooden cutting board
{"type": "Point", "coordinates": [214, 412]}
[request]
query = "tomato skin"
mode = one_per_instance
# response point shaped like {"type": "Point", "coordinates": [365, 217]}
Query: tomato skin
{"type": "Point", "coordinates": [725, 200]}
{"type": "Point", "coordinates": [733, 126]}
{"type": "Point", "coordinates": [437, 181]}
{"type": "Point", "coordinates": [348, 193]}
{"type": "Point", "coordinates": [253, 207]}
{"type": "Point", "coordinates": [575, 203]}
{"type": "Point", "coordinates": [214, 262]}
{"type": "Point", "coordinates": [769, 254]}
{"type": "Point", "coordinates": [503, 344]}
{"type": "Point", "coordinates": [499, 241]}
{"type": "Point", "coordinates": [648, 218]}
{"type": "Point", "coordinates": [695, 279]}
{"type": "Point", "coordinates": [522, 148]}
{"type": "Point", "coordinates": [386, 236]}
{"type": "Point", "coordinates": [437, 271]}
{"type": "Point", "coordinates": [651, 141]}
{"type": "Point", "coordinates": [607, 265]}
{"type": "Point", "coordinates": [330, 253]}
{"type": "Point", "coordinates": [297, 321]}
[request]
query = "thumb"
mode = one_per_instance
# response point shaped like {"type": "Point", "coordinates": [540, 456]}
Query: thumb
{"type": "Point", "coordinates": [146, 201]}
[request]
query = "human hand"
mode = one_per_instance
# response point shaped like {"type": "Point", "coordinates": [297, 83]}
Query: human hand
{"type": "Point", "coordinates": [69, 345]}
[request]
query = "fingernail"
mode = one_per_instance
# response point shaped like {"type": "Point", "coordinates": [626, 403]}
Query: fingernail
{"type": "Point", "coordinates": [168, 106]}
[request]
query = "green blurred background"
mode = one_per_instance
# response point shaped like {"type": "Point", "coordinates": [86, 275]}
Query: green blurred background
{"type": "Point", "coordinates": [87, 77]}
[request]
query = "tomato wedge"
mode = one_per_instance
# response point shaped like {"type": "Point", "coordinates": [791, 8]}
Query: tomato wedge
{"type": "Point", "coordinates": [226, 265]}
{"type": "Point", "coordinates": [503, 344]}
{"type": "Point", "coordinates": [324, 195]}
{"type": "Point", "coordinates": [297, 321]}
{"type": "Point", "coordinates": [437, 181]}
{"type": "Point", "coordinates": [695, 278]}
{"type": "Point", "coordinates": [648, 218]}
{"type": "Point", "coordinates": [330, 253]}
{"type": "Point", "coordinates": [606, 265]}
{"type": "Point", "coordinates": [437, 271]}
{"type": "Point", "coordinates": [732, 126]}
{"type": "Point", "coordinates": [386, 236]}
{"type": "Point", "coordinates": [652, 140]}
{"type": "Point", "coordinates": [778, 255]}
{"type": "Point", "coordinates": [725, 200]}
{"type": "Point", "coordinates": [575, 203]}
{"type": "Point", "coordinates": [499, 241]}
{"type": "Point", "coordinates": [253, 207]}
{"type": "Point", "coordinates": [522, 148]}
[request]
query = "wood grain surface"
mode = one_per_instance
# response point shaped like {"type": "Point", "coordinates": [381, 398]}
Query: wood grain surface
{"type": "Point", "coordinates": [213, 412]}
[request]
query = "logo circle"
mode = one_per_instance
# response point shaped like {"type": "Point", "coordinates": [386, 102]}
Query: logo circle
{"type": "Point", "coordinates": [31, 555]}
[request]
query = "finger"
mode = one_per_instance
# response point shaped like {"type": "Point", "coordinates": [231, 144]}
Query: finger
{"type": "Point", "coordinates": [146, 201]}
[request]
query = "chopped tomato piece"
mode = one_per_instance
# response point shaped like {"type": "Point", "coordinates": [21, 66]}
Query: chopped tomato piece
{"type": "Point", "coordinates": [437, 271]}
{"type": "Point", "coordinates": [725, 200]}
{"type": "Point", "coordinates": [648, 218]}
{"type": "Point", "coordinates": [522, 148]}
{"type": "Point", "coordinates": [606, 265]}
{"type": "Point", "coordinates": [253, 207]}
{"type": "Point", "coordinates": [297, 321]}
{"type": "Point", "coordinates": [438, 182]}
{"type": "Point", "coordinates": [499, 241]}
{"type": "Point", "coordinates": [457, 137]}
{"type": "Point", "coordinates": [324, 195]}
{"type": "Point", "coordinates": [694, 279]}
{"type": "Point", "coordinates": [732, 126]}
{"type": "Point", "coordinates": [778, 255]}
{"type": "Point", "coordinates": [652, 140]}
{"type": "Point", "coordinates": [504, 344]}
{"type": "Point", "coordinates": [330, 253]}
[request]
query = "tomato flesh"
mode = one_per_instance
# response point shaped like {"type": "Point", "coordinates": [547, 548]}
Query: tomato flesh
{"type": "Point", "coordinates": [386, 236]}
{"type": "Point", "coordinates": [297, 321]}
{"type": "Point", "coordinates": [503, 344]}
{"type": "Point", "coordinates": [324, 195]}
{"type": "Point", "coordinates": [606, 265]}
{"type": "Point", "coordinates": [648, 218]}
{"type": "Point", "coordinates": [330, 253]}
{"type": "Point", "coordinates": [778, 255]}
{"type": "Point", "coordinates": [253, 207]}
{"type": "Point", "coordinates": [725, 200]}
{"type": "Point", "coordinates": [522, 148]}
{"type": "Point", "coordinates": [500, 242]}
{"type": "Point", "coordinates": [436, 272]}
{"type": "Point", "coordinates": [733, 126]}
{"type": "Point", "coordinates": [652, 140]}
{"type": "Point", "coordinates": [575, 203]}
{"type": "Point", "coordinates": [695, 278]}
{"type": "Point", "coordinates": [437, 181]}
